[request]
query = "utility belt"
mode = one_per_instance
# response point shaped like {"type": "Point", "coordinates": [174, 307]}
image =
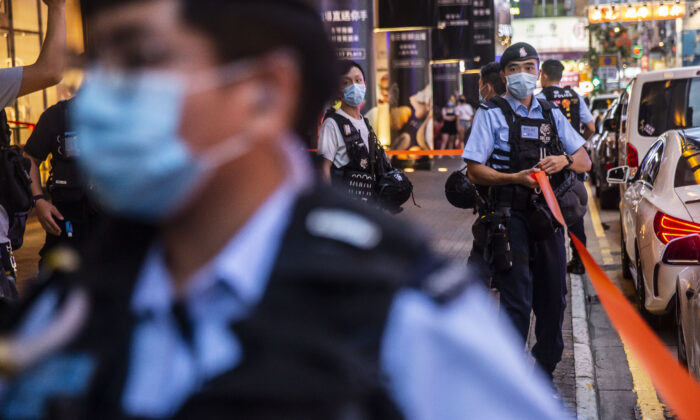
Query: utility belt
{"type": "Point", "coordinates": [491, 230]}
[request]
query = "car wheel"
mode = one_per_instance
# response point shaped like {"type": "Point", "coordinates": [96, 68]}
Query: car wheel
{"type": "Point", "coordinates": [680, 340]}
{"type": "Point", "coordinates": [641, 291]}
{"type": "Point", "coordinates": [609, 198]}
{"type": "Point", "coordinates": [626, 263]}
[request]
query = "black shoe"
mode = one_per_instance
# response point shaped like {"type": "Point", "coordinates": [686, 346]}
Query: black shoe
{"type": "Point", "coordinates": [575, 266]}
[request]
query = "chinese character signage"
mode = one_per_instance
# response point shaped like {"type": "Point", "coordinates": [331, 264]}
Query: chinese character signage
{"type": "Point", "coordinates": [484, 32]}
{"type": "Point", "coordinates": [410, 93]}
{"type": "Point", "coordinates": [635, 12]}
{"type": "Point", "coordinates": [349, 24]}
{"type": "Point", "coordinates": [452, 35]}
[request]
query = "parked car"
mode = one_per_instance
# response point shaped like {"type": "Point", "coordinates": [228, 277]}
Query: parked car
{"type": "Point", "coordinates": [654, 103]}
{"type": "Point", "coordinates": [661, 203]}
{"type": "Point", "coordinates": [685, 251]}
{"type": "Point", "coordinates": [604, 157]}
{"type": "Point", "coordinates": [600, 104]}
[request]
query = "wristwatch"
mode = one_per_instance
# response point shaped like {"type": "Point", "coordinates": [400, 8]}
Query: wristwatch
{"type": "Point", "coordinates": [38, 197]}
{"type": "Point", "coordinates": [568, 158]}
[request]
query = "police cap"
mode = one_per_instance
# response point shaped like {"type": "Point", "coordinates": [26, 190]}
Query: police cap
{"type": "Point", "coordinates": [519, 51]}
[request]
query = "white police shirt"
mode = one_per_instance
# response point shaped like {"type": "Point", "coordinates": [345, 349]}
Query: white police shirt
{"type": "Point", "coordinates": [490, 129]}
{"type": "Point", "coordinates": [584, 112]}
{"type": "Point", "coordinates": [442, 361]}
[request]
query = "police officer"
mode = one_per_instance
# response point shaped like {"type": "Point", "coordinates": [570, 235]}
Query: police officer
{"type": "Point", "coordinates": [347, 142]}
{"type": "Point", "coordinates": [69, 217]}
{"type": "Point", "coordinates": [575, 110]}
{"type": "Point", "coordinates": [512, 137]}
{"type": "Point", "coordinates": [233, 285]}
{"type": "Point", "coordinates": [353, 159]}
{"type": "Point", "coordinates": [490, 82]}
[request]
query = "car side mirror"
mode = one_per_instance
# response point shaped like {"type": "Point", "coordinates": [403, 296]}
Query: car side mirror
{"type": "Point", "coordinates": [610, 124]}
{"type": "Point", "coordinates": [682, 251]}
{"type": "Point", "coordinates": [618, 175]}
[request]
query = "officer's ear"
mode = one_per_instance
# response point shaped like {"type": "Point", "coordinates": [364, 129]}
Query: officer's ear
{"type": "Point", "coordinates": [503, 76]}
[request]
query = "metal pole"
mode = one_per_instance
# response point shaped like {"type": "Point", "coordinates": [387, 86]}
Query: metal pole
{"type": "Point", "coordinates": [556, 13]}
{"type": "Point", "coordinates": [544, 11]}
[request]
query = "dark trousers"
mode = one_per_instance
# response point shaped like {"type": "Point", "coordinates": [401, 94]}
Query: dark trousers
{"type": "Point", "coordinates": [536, 282]}
{"type": "Point", "coordinates": [580, 232]}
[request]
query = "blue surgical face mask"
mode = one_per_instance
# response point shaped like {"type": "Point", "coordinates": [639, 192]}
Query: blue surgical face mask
{"type": "Point", "coordinates": [129, 144]}
{"type": "Point", "coordinates": [450, 104]}
{"type": "Point", "coordinates": [521, 85]}
{"type": "Point", "coordinates": [355, 94]}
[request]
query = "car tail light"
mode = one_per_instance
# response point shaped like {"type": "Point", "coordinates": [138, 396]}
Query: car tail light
{"type": "Point", "coordinates": [609, 166]}
{"type": "Point", "coordinates": [683, 251]}
{"type": "Point", "coordinates": [632, 156]}
{"type": "Point", "coordinates": [668, 228]}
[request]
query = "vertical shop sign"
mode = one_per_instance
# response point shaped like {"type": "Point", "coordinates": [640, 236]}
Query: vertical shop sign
{"type": "Point", "coordinates": [484, 30]}
{"type": "Point", "coordinates": [350, 25]}
{"type": "Point", "coordinates": [452, 36]}
{"type": "Point", "coordinates": [446, 78]}
{"type": "Point", "coordinates": [410, 94]}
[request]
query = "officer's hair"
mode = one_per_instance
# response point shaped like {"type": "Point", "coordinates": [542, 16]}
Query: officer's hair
{"type": "Point", "coordinates": [345, 67]}
{"type": "Point", "coordinates": [491, 74]}
{"type": "Point", "coordinates": [248, 28]}
{"type": "Point", "coordinates": [554, 69]}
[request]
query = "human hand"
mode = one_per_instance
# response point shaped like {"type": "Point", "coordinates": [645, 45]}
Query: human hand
{"type": "Point", "coordinates": [553, 164]}
{"type": "Point", "coordinates": [524, 178]}
{"type": "Point", "coordinates": [46, 212]}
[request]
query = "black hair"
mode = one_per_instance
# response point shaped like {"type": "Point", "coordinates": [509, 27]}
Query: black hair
{"type": "Point", "coordinates": [345, 66]}
{"type": "Point", "coordinates": [554, 70]}
{"type": "Point", "coordinates": [249, 28]}
{"type": "Point", "coordinates": [491, 74]}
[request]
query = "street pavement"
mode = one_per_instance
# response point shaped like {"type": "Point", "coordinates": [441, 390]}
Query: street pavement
{"type": "Point", "coordinates": [617, 389]}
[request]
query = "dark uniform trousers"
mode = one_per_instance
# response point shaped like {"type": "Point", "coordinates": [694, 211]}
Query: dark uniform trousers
{"type": "Point", "coordinates": [579, 230]}
{"type": "Point", "coordinates": [537, 282]}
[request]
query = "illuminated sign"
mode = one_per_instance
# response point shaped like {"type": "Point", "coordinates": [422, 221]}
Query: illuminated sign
{"type": "Point", "coordinates": [635, 12]}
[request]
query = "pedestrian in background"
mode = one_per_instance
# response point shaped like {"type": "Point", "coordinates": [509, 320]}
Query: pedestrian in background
{"type": "Point", "coordinates": [490, 82]}
{"type": "Point", "coordinates": [449, 125]}
{"type": "Point", "coordinates": [465, 115]}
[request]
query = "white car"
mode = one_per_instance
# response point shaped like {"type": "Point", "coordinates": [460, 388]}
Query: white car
{"type": "Point", "coordinates": [655, 102]}
{"type": "Point", "coordinates": [661, 203]}
{"type": "Point", "coordinates": [685, 252]}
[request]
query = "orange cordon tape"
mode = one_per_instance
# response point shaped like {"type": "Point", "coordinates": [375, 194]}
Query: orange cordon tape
{"type": "Point", "coordinates": [674, 383]}
{"type": "Point", "coordinates": [451, 152]}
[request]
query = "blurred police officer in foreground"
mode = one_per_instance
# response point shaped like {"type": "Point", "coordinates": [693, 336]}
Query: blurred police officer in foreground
{"type": "Point", "coordinates": [575, 110]}
{"type": "Point", "coordinates": [67, 215]}
{"type": "Point", "coordinates": [512, 137]}
{"type": "Point", "coordinates": [490, 82]}
{"type": "Point", "coordinates": [234, 286]}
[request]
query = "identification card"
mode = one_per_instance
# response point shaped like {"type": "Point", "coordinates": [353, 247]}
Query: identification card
{"type": "Point", "coordinates": [70, 143]}
{"type": "Point", "coordinates": [528, 132]}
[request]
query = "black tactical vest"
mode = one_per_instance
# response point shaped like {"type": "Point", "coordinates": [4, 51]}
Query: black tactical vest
{"type": "Point", "coordinates": [65, 184]}
{"type": "Point", "coordinates": [568, 102]}
{"type": "Point", "coordinates": [311, 347]}
{"type": "Point", "coordinates": [530, 140]}
{"type": "Point", "coordinates": [358, 177]}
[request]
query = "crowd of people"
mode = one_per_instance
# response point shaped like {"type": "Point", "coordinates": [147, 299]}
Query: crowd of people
{"type": "Point", "coordinates": [198, 265]}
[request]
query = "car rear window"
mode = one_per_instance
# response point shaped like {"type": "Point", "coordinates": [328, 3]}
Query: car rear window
{"type": "Point", "coordinates": [601, 104]}
{"type": "Point", "coordinates": [669, 104]}
{"type": "Point", "coordinates": [688, 168]}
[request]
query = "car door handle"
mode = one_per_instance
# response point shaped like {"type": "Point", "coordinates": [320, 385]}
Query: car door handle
{"type": "Point", "coordinates": [690, 293]}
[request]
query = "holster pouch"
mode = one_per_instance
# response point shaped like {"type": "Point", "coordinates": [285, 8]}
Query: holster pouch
{"type": "Point", "coordinates": [480, 231]}
{"type": "Point", "coordinates": [498, 251]}
{"type": "Point", "coordinates": [542, 223]}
